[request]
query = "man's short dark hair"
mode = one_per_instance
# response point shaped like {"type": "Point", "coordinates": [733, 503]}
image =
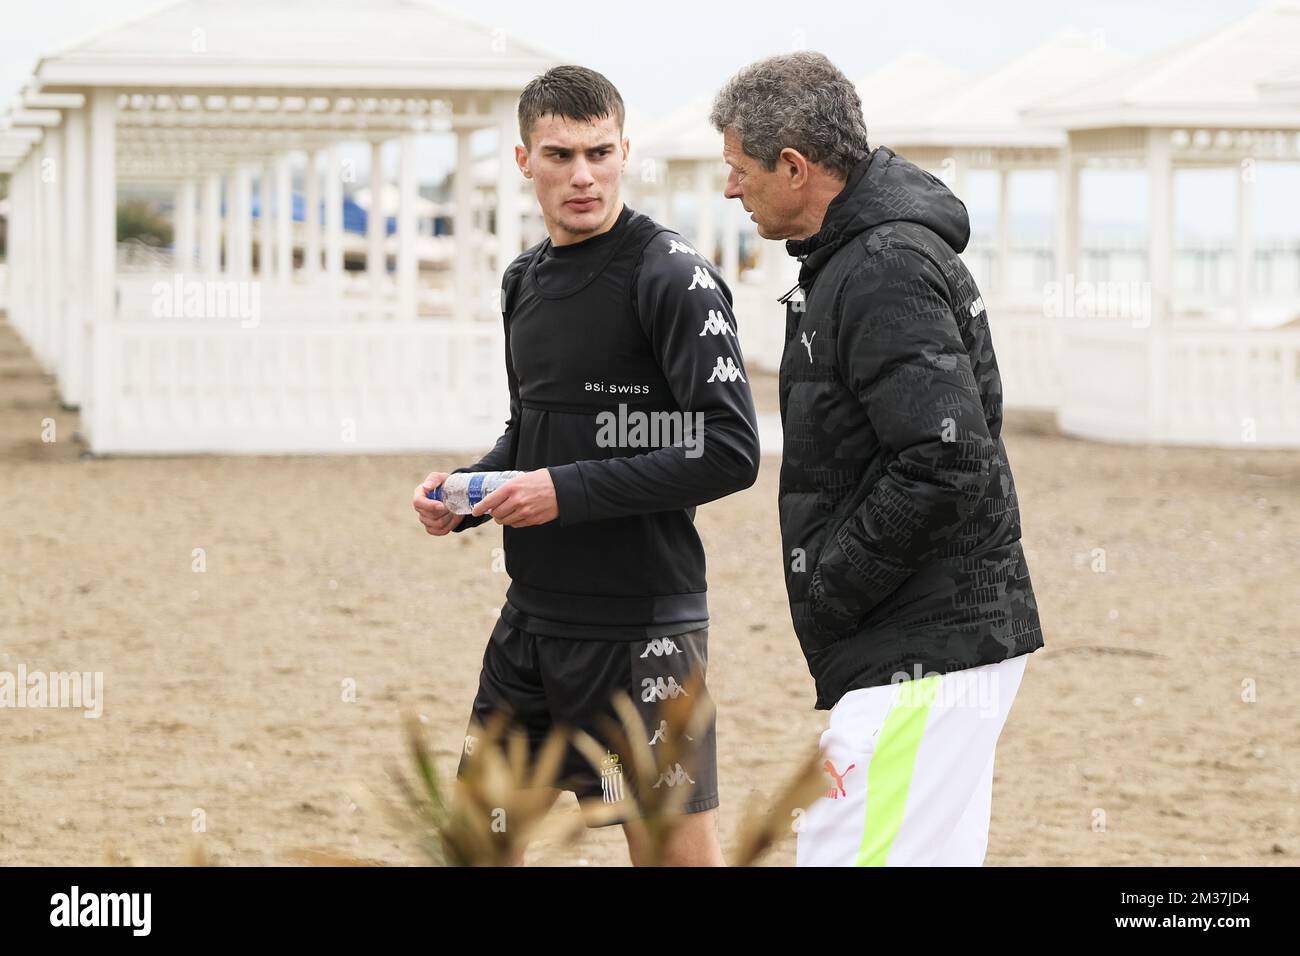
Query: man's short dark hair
{"type": "Point", "coordinates": [573, 92]}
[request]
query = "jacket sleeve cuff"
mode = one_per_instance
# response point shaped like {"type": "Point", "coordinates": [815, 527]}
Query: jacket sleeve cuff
{"type": "Point", "coordinates": [570, 494]}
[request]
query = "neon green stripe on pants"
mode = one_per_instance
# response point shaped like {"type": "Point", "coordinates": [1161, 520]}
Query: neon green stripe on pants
{"type": "Point", "coordinates": [889, 775]}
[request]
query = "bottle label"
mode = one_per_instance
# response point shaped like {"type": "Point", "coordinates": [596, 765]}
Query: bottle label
{"type": "Point", "coordinates": [476, 487]}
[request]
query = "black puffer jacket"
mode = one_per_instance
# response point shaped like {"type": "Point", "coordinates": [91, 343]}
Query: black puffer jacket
{"type": "Point", "coordinates": [898, 512]}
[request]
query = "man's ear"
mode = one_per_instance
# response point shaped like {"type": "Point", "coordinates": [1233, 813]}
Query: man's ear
{"type": "Point", "coordinates": [521, 160]}
{"type": "Point", "coordinates": [795, 165]}
{"type": "Point", "coordinates": [627, 147]}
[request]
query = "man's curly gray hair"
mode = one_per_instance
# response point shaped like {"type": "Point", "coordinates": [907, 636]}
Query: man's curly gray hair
{"type": "Point", "coordinates": [796, 100]}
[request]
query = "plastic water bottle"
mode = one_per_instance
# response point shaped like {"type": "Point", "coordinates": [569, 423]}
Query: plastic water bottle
{"type": "Point", "coordinates": [461, 492]}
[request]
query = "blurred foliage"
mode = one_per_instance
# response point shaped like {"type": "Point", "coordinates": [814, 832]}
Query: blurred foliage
{"type": "Point", "coordinates": [139, 219]}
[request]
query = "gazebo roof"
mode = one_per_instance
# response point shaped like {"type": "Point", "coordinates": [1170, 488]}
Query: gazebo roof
{"type": "Point", "coordinates": [382, 45]}
{"type": "Point", "coordinates": [202, 84]}
{"type": "Point", "coordinates": [1228, 77]}
{"type": "Point", "coordinates": [906, 91]}
{"type": "Point", "coordinates": [684, 134]}
{"type": "Point", "coordinates": [986, 112]}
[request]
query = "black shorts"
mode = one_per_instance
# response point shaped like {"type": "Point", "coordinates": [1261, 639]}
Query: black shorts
{"type": "Point", "coordinates": [541, 682]}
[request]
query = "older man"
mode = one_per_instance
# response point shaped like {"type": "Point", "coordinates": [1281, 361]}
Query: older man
{"type": "Point", "coordinates": [907, 583]}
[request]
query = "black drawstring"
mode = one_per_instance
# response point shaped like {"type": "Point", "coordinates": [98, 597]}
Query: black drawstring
{"type": "Point", "coordinates": [785, 299]}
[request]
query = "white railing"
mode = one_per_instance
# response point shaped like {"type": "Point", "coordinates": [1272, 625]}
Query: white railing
{"type": "Point", "coordinates": [161, 387]}
{"type": "Point", "coordinates": [1181, 386]}
{"type": "Point", "coordinates": [156, 294]}
{"type": "Point", "coordinates": [1028, 351]}
{"type": "Point", "coordinates": [1228, 388]}
{"type": "Point", "coordinates": [1202, 272]}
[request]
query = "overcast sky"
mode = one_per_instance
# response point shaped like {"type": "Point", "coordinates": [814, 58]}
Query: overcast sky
{"type": "Point", "coordinates": [664, 53]}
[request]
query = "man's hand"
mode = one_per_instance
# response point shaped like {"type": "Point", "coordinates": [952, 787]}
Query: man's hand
{"type": "Point", "coordinates": [522, 502]}
{"type": "Point", "coordinates": [433, 514]}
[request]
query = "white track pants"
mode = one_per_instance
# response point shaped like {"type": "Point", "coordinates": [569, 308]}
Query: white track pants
{"type": "Point", "coordinates": [909, 768]}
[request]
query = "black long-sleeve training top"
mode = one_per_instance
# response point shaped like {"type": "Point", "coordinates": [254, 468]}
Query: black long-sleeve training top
{"type": "Point", "coordinates": [627, 384]}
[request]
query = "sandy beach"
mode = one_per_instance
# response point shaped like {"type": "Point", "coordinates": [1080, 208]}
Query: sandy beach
{"type": "Point", "coordinates": [1130, 742]}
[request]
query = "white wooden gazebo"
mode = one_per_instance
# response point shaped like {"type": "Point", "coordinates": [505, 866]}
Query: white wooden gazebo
{"type": "Point", "coordinates": [955, 126]}
{"type": "Point", "coordinates": [1163, 371]}
{"type": "Point", "coordinates": [216, 101]}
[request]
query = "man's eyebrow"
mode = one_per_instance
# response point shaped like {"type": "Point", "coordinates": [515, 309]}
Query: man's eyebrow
{"type": "Point", "coordinates": [569, 149]}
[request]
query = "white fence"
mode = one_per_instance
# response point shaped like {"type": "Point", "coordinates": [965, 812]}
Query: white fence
{"type": "Point", "coordinates": [1181, 386]}
{"type": "Point", "coordinates": [160, 387]}
{"type": "Point", "coordinates": [336, 373]}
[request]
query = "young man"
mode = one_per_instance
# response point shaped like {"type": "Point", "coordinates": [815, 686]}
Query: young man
{"type": "Point", "coordinates": [907, 583]}
{"type": "Point", "coordinates": [612, 318]}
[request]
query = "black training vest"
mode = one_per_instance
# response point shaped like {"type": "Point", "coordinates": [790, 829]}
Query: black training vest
{"type": "Point", "coordinates": [579, 351]}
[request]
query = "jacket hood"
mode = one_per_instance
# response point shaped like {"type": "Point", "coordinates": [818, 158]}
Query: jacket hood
{"type": "Point", "coordinates": [882, 188]}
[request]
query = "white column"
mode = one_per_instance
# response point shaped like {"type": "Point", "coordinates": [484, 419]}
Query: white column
{"type": "Point", "coordinates": [467, 275]}
{"type": "Point", "coordinates": [958, 184]}
{"type": "Point", "coordinates": [265, 238]}
{"type": "Point", "coordinates": [72, 377]}
{"type": "Point", "coordinates": [183, 226]}
{"type": "Point", "coordinates": [705, 231]}
{"type": "Point", "coordinates": [1002, 285]}
{"type": "Point", "coordinates": [23, 244]}
{"type": "Point", "coordinates": [97, 415]}
{"type": "Point", "coordinates": [333, 228]}
{"type": "Point", "coordinates": [16, 247]}
{"type": "Point", "coordinates": [230, 231]}
{"type": "Point", "coordinates": [1160, 270]}
{"type": "Point", "coordinates": [731, 243]}
{"type": "Point", "coordinates": [210, 226]}
{"type": "Point", "coordinates": [376, 259]}
{"type": "Point", "coordinates": [509, 226]}
{"type": "Point", "coordinates": [283, 220]}
{"type": "Point", "coordinates": [407, 265]}
{"type": "Point", "coordinates": [1067, 216]}
{"type": "Point", "coordinates": [1245, 243]}
{"type": "Point", "coordinates": [243, 220]}
{"type": "Point", "coordinates": [664, 193]}
{"type": "Point", "coordinates": [39, 287]}
{"type": "Point", "coordinates": [52, 245]}
{"type": "Point", "coordinates": [311, 216]}
{"type": "Point", "coordinates": [53, 234]}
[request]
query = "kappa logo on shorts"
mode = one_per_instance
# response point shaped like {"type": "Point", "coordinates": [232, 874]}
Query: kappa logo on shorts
{"type": "Point", "coordinates": [661, 688]}
{"type": "Point", "coordinates": [673, 777]}
{"type": "Point", "coordinates": [470, 743]}
{"type": "Point", "coordinates": [837, 790]}
{"type": "Point", "coordinates": [661, 646]}
{"type": "Point", "coordinates": [611, 778]}
{"type": "Point", "coordinates": [661, 735]}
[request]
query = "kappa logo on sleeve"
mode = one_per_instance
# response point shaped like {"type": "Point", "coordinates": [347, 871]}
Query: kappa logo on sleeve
{"type": "Point", "coordinates": [726, 371]}
{"type": "Point", "coordinates": [702, 280]}
{"type": "Point", "coordinates": [716, 324]}
{"type": "Point", "coordinates": [674, 247]}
